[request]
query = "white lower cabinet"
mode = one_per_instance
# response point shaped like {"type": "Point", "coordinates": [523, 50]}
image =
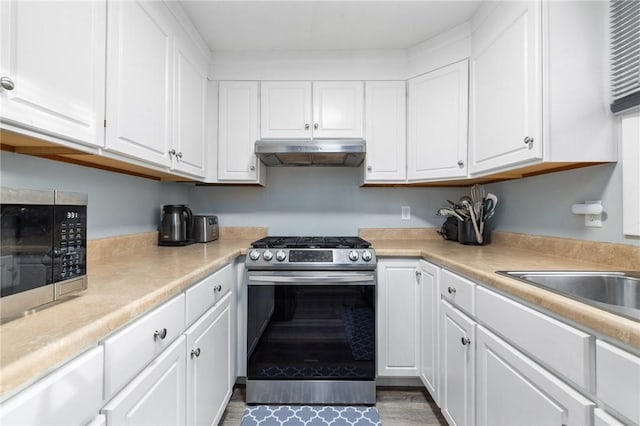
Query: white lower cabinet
{"type": "Point", "coordinates": [618, 378]}
{"type": "Point", "coordinates": [210, 369]}
{"type": "Point", "coordinates": [157, 395]}
{"type": "Point", "coordinates": [457, 356]}
{"type": "Point", "coordinates": [429, 308]}
{"type": "Point", "coordinates": [70, 395]}
{"type": "Point", "coordinates": [514, 390]}
{"type": "Point", "coordinates": [398, 318]}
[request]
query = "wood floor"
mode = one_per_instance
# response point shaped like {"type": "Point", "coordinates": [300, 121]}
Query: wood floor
{"type": "Point", "coordinates": [397, 407]}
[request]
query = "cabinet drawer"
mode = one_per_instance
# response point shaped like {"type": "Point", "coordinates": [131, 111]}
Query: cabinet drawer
{"type": "Point", "coordinates": [207, 292]}
{"type": "Point", "coordinates": [618, 380]}
{"type": "Point", "coordinates": [132, 348]}
{"type": "Point", "coordinates": [561, 347]}
{"type": "Point", "coordinates": [157, 395]}
{"type": "Point", "coordinates": [458, 291]}
{"type": "Point", "coordinates": [71, 394]}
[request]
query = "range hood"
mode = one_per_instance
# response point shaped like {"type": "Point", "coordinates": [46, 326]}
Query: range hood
{"type": "Point", "coordinates": [311, 152]}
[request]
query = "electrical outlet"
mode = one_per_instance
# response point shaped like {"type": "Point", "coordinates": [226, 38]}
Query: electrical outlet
{"type": "Point", "coordinates": [406, 213]}
{"type": "Point", "coordinates": [593, 220]}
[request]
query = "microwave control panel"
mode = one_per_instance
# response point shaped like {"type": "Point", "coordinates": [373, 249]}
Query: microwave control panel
{"type": "Point", "coordinates": [70, 242]}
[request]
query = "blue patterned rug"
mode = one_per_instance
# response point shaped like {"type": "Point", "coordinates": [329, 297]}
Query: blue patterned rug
{"type": "Point", "coordinates": [305, 415]}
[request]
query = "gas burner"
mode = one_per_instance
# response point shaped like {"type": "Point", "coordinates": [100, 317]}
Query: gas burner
{"type": "Point", "coordinates": [311, 242]}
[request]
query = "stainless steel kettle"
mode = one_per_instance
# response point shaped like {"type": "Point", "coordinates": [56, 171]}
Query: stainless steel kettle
{"type": "Point", "coordinates": [176, 225]}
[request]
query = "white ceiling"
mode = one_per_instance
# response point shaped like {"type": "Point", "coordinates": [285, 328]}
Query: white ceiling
{"type": "Point", "coordinates": [267, 25]}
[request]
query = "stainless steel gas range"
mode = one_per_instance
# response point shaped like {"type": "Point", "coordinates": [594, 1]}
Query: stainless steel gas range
{"type": "Point", "coordinates": [311, 317]}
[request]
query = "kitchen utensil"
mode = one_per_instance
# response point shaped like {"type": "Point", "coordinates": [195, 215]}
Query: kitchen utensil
{"type": "Point", "coordinates": [470, 207]}
{"type": "Point", "coordinates": [464, 198]}
{"type": "Point", "coordinates": [477, 193]}
{"type": "Point", "coordinates": [445, 211]}
{"type": "Point", "coordinates": [176, 225]}
{"type": "Point", "coordinates": [492, 197]}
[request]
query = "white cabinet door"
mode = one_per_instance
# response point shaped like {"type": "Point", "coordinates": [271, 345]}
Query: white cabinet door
{"type": "Point", "coordinates": [506, 81]}
{"type": "Point", "coordinates": [398, 318]}
{"type": "Point", "coordinates": [514, 390]}
{"type": "Point", "coordinates": [429, 308]}
{"type": "Point", "coordinates": [139, 80]}
{"type": "Point", "coordinates": [157, 395]}
{"type": "Point", "coordinates": [285, 109]}
{"type": "Point", "coordinates": [618, 380]}
{"type": "Point", "coordinates": [70, 395]}
{"type": "Point", "coordinates": [238, 131]}
{"type": "Point", "coordinates": [209, 365]}
{"type": "Point", "coordinates": [385, 118]}
{"type": "Point", "coordinates": [189, 108]}
{"type": "Point", "coordinates": [54, 54]}
{"type": "Point", "coordinates": [338, 109]}
{"type": "Point", "coordinates": [457, 364]}
{"type": "Point", "coordinates": [438, 125]}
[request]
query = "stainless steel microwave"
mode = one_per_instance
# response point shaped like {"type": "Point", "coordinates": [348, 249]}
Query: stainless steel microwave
{"type": "Point", "coordinates": [43, 248]}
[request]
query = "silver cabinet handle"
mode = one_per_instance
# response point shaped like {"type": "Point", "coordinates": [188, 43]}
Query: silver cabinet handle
{"type": "Point", "coordinates": [369, 168]}
{"type": "Point", "coordinates": [7, 84]}
{"type": "Point", "coordinates": [195, 353]}
{"type": "Point", "coordinates": [528, 140]}
{"type": "Point", "coordinates": [252, 168]}
{"type": "Point", "coordinates": [160, 334]}
{"type": "Point", "coordinates": [179, 155]}
{"type": "Point", "coordinates": [451, 290]}
{"type": "Point", "coordinates": [217, 289]}
{"type": "Point", "coordinates": [315, 126]}
{"type": "Point", "coordinates": [172, 152]}
{"type": "Point", "coordinates": [306, 126]}
{"type": "Point", "coordinates": [465, 341]}
{"type": "Point", "coordinates": [460, 163]}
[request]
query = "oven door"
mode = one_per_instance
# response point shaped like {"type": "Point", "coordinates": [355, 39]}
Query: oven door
{"type": "Point", "coordinates": [311, 325]}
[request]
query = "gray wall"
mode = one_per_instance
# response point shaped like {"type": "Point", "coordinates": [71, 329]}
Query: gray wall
{"type": "Point", "coordinates": [319, 201]}
{"type": "Point", "coordinates": [542, 204]}
{"type": "Point", "coordinates": [118, 204]}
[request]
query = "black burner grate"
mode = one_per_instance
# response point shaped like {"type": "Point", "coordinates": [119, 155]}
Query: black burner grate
{"type": "Point", "coordinates": [311, 242]}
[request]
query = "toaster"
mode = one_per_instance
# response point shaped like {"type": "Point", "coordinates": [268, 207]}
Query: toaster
{"type": "Point", "coordinates": [205, 228]}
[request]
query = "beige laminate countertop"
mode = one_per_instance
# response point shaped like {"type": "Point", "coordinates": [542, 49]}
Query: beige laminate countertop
{"type": "Point", "coordinates": [125, 286]}
{"type": "Point", "coordinates": [121, 288]}
{"type": "Point", "coordinates": [481, 264]}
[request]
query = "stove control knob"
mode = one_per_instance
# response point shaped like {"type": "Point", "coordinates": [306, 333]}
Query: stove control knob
{"type": "Point", "coordinates": [366, 255]}
{"type": "Point", "coordinates": [281, 255]}
{"type": "Point", "coordinates": [254, 255]}
{"type": "Point", "coordinates": [353, 255]}
{"type": "Point", "coordinates": [267, 255]}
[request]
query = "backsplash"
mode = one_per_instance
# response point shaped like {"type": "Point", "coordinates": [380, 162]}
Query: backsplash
{"type": "Point", "coordinates": [118, 204]}
{"type": "Point", "coordinates": [541, 205]}
{"type": "Point", "coordinates": [320, 201]}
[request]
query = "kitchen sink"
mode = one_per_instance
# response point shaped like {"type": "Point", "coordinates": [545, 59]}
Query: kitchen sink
{"type": "Point", "coordinates": [617, 292]}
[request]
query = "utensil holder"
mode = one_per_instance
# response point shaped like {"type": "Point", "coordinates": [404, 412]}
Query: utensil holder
{"type": "Point", "coordinates": [467, 235]}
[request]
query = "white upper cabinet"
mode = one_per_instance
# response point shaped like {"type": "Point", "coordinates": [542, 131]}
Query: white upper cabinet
{"type": "Point", "coordinates": [438, 125]}
{"type": "Point", "coordinates": [303, 110]}
{"type": "Point", "coordinates": [285, 110]}
{"type": "Point", "coordinates": [139, 80]}
{"type": "Point", "coordinates": [506, 81]}
{"type": "Point", "coordinates": [338, 109]}
{"type": "Point", "coordinates": [385, 133]}
{"type": "Point", "coordinates": [52, 53]}
{"type": "Point", "coordinates": [538, 93]}
{"type": "Point", "coordinates": [189, 108]}
{"type": "Point", "coordinates": [238, 131]}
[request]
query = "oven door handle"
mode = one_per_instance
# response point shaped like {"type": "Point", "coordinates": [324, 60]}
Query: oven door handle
{"type": "Point", "coordinates": [361, 279]}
